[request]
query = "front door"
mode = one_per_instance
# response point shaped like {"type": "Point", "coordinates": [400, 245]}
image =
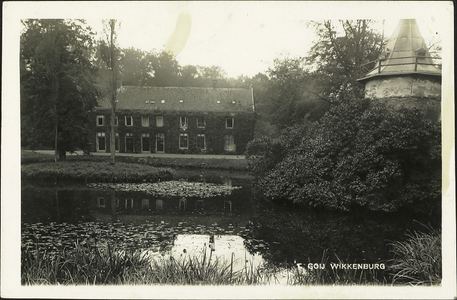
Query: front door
{"type": "Point", "coordinates": [160, 143]}
{"type": "Point", "coordinates": [128, 144]}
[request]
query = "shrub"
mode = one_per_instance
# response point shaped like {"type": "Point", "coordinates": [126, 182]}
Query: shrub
{"type": "Point", "coordinates": [361, 153]}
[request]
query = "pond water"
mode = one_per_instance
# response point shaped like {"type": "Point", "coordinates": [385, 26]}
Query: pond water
{"type": "Point", "coordinates": [180, 216]}
{"type": "Point", "coordinates": [161, 217]}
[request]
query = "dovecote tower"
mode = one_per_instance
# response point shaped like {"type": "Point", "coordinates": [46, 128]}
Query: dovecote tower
{"type": "Point", "coordinates": [406, 75]}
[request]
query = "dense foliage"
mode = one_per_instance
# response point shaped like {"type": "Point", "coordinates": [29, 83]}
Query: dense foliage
{"type": "Point", "coordinates": [360, 154]}
{"type": "Point", "coordinates": [57, 87]}
{"type": "Point", "coordinates": [341, 54]}
{"type": "Point", "coordinates": [289, 94]}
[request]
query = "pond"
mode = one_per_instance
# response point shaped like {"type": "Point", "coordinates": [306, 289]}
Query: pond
{"type": "Point", "coordinates": [195, 206]}
{"type": "Point", "coordinates": [198, 210]}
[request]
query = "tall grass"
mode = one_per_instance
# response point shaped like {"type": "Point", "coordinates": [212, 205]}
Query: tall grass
{"type": "Point", "coordinates": [99, 266]}
{"type": "Point", "coordinates": [109, 265]}
{"type": "Point", "coordinates": [418, 260]}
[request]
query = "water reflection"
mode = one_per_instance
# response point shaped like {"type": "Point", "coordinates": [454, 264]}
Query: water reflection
{"type": "Point", "coordinates": [56, 216]}
{"type": "Point", "coordinates": [228, 249]}
{"type": "Point", "coordinates": [76, 203]}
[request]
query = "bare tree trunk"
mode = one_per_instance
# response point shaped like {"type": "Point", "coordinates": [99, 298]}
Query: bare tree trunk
{"type": "Point", "coordinates": [112, 24]}
{"type": "Point", "coordinates": [54, 95]}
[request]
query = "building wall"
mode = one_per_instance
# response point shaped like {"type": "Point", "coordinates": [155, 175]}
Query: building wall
{"type": "Point", "coordinates": [412, 91]}
{"type": "Point", "coordinates": [215, 131]}
{"type": "Point", "coordinates": [403, 86]}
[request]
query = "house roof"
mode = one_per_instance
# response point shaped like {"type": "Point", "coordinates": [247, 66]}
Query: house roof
{"type": "Point", "coordinates": [405, 46]}
{"type": "Point", "coordinates": [195, 99]}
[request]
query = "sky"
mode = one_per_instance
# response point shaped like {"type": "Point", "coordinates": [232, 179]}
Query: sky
{"type": "Point", "coordinates": [242, 37]}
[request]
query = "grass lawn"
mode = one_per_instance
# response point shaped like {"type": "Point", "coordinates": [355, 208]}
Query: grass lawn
{"type": "Point", "coordinates": [28, 157]}
{"type": "Point", "coordinates": [90, 171]}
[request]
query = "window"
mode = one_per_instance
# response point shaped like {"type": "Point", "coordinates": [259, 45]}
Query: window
{"type": "Point", "coordinates": [200, 141]}
{"type": "Point", "coordinates": [160, 143]}
{"type": "Point", "coordinates": [199, 205]}
{"type": "Point", "coordinates": [100, 202]}
{"type": "Point", "coordinates": [183, 122]}
{"type": "Point", "coordinates": [201, 122]}
{"type": "Point", "coordinates": [228, 205]}
{"type": "Point", "coordinates": [128, 203]}
{"type": "Point", "coordinates": [229, 143]}
{"type": "Point", "coordinates": [229, 123]}
{"type": "Point", "coordinates": [145, 204]}
{"type": "Point", "coordinates": [183, 141]}
{"type": "Point", "coordinates": [116, 203]}
{"type": "Point", "coordinates": [116, 121]}
{"type": "Point", "coordinates": [145, 142]}
{"type": "Point", "coordinates": [128, 121]}
{"type": "Point", "coordinates": [101, 141]}
{"type": "Point", "coordinates": [100, 120]}
{"type": "Point", "coordinates": [117, 142]}
{"type": "Point", "coordinates": [145, 121]}
{"type": "Point", "coordinates": [159, 121]}
{"type": "Point", "coordinates": [182, 203]}
{"type": "Point", "coordinates": [159, 204]}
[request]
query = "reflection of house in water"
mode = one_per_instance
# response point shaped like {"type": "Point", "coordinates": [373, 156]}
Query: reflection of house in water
{"type": "Point", "coordinates": [174, 204]}
{"type": "Point", "coordinates": [141, 203]}
{"type": "Point", "coordinates": [81, 203]}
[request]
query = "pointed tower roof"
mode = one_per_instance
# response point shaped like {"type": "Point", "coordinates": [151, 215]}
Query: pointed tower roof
{"type": "Point", "coordinates": [404, 53]}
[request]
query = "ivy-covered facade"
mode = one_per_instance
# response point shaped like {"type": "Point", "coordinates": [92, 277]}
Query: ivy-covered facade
{"type": "Point", "coordinates": [176, 120]}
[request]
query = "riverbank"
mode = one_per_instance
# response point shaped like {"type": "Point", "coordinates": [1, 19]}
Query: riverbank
{"type": "Point", "coordinates": [223, 162]}
{"type": "Point", "coordinates": [89, 171]}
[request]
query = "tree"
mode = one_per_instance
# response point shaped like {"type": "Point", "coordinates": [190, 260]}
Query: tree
{"type": "Point", "coordinates": [290, 94]}
{"type": "Point", "coordinates": [340, 52]}
{"type": "Point", "coordinates": [189, 76]}
{"type": "Point", "coordinates": [136, 70]}
{"type": "Point", "coordinates": [360, 154]}
{"type": "Point", "coordinates": [111, 55]}
{"type": "Point", "coordinates": [164, 67]}
{"type": "Point", "coordinates": [57, 89]}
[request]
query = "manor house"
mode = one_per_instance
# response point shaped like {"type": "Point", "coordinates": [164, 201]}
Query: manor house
{"type": "Point", "coordinates": [176, 120]}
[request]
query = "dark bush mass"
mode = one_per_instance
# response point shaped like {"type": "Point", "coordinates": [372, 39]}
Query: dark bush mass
{"type": "Point", "coordinates": [361, 153]}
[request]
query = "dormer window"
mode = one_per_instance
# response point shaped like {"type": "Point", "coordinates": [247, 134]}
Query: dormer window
{"type": "Point", "coordinates": [421, 52]}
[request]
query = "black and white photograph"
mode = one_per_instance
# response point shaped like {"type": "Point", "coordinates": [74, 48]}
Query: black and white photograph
{"type": "Point", "coordinates": [228, 150]}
